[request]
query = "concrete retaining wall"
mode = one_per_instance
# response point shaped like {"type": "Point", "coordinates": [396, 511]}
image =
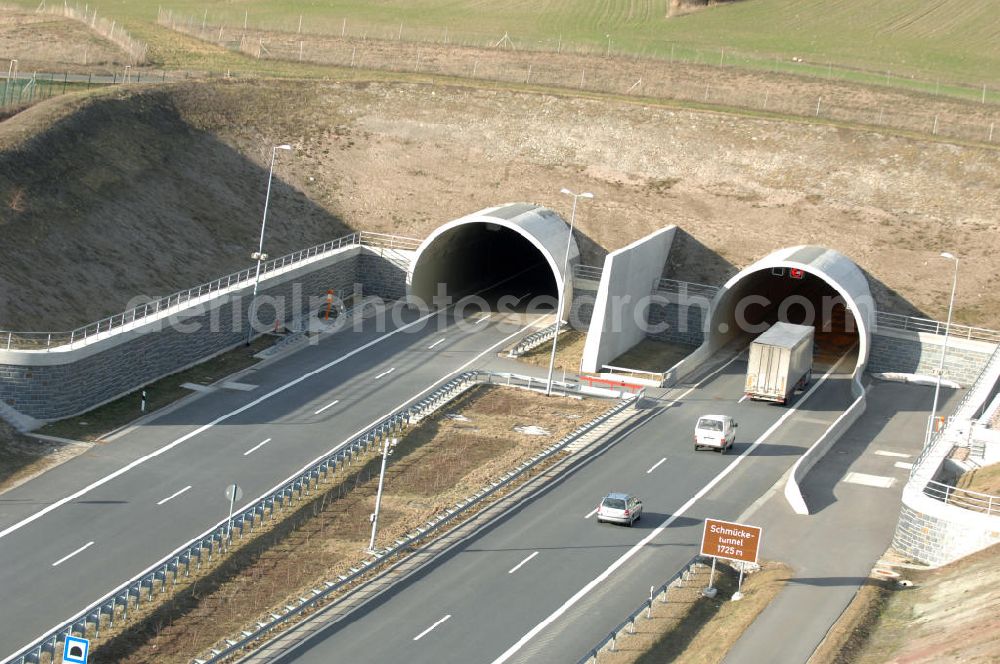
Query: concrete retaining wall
{"type": "Point", "coordinates": [623, 296]}
{"type": "Point", "coordinates": [62, 383]}
{"type": "Point", "coordinates": [909, 352]}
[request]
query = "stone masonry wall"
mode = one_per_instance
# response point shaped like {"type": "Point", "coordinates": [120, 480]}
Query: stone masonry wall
{"type": "Point", "coordinates": [934, 541]}
{"type": "Point", "coordinates": [62, 390]}
{"type": "Point", "coordinates": [897, 354]}
{"type": "Point", "coordinates": [665, 323]}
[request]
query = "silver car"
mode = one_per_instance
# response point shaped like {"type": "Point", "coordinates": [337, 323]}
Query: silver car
{"type": "Point", "coordinates": [619, 508]}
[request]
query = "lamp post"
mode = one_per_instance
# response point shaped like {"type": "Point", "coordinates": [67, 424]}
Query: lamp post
{"type": "Point", "coordinates": [944, 349]}
{"type": "Point", "coordinates": [562, 291]}
{"type": "Point", "coordinates": [259, 255]}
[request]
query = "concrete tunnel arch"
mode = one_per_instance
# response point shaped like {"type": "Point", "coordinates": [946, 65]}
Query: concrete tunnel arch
{"type": "Point", "coordinates": [509, 249]}
{"type": "Point", "coordinates": [823, 271]}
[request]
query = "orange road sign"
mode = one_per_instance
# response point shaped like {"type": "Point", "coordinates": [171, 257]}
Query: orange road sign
{"type": "Point", "coordinates": [733, 541]}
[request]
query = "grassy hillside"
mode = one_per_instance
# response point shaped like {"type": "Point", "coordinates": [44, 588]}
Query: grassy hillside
{"type": "Point", "coordinates": [951, 40]}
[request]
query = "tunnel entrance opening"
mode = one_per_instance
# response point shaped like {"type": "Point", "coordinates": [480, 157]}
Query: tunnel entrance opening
{"type": "Point", "coordinates": [765, 297]}
{"type": "Point", "coordinates": [490, 261]}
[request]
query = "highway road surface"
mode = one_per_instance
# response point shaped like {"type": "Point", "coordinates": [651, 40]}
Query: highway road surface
{"type": "Point", "coordinates": [547, 582]}
{"type": "Point", "coordinates": [72, 535]}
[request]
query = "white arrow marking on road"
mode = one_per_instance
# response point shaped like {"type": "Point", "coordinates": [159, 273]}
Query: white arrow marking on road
{"type": "Point", "coordinates": [518, 566]}
{"type": "Point", "coordinates": [656, 465]}
{"type": "Point", "coordinates": [385, 373]}
{"type": "Point", "coordinates": [592, 513]}
{"type": "Point", "coordinates": [426, 631]}
{"type": "Point", "coordinates": [329, 405]}
{"type": "Point", "coordinates": [174, 495]}
{"type": "Point", "coordinates": [439, 341]}
{"type": "Point", "coordinates": [256, 447]}
{"type": "Point", "coordinates": [65, 558]}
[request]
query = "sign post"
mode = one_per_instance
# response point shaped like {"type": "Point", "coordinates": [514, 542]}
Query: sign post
{"type": "Point", "coordinates": [732, 541]}
{"type": "Point", "coordinates": [233, 493]}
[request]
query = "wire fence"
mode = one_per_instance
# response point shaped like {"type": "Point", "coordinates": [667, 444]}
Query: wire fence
{"type": "Point", "coordinates": [110, 29]}
{"type": "Point", "coordinates": [173, 303]}
{"type": "Point", "coordinates": [727, 79]}
{"type": "Point", "coordinates": [162, 575]}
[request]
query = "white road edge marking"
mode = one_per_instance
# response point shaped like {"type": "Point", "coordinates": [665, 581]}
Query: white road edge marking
{"type": "Point", "coordinates": [428, 630]}
{"type": "Point", "coordinates": [439, 341]}
{"type": "Point", "coordinates": [385, 373]}
{"type": "Point", "coordinates": [65, 558]}
{"type": "Point", "coordinates": [329, 405]}
{"type": "Point", "coordinates": [484, 319]}
{"type": "Point", "coordinates": [592, 513]}
{"type": "Point", "coordinates": [656, 465]}
{"type": "Point", "coordinates": [256, 447]}
{"type": "Point", "coordinates": [892, 454]}
{"type": "Point", "coordinates": [205, 427]}
{"type": "Point", "coordinates": [174, 495]}
{"type": "Point", "coordinates": [518, 566]}
{"type": "Point", "coordinates": [580, 594]}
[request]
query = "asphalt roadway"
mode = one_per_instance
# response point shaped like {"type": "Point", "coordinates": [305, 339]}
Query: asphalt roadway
{"type": "Point", "coordinates": [73, 534]}
{"type": "Point", "coordinates": [547, 582]}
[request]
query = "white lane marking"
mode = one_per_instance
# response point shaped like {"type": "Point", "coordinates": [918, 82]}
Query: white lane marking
{"type": "Point", "coordinates": [427, 631]}
{"type": "Point", "coordinates": [256, 447]}
{"type": "Point", "coordinates": [329, 405]}
{"type": "Point", "coordinates": [439, 341]}
{"type": "Point", "coordinates": [174, 495]}
{"type": "Point", "coordinates": [65, 558]}
{"type": "Point", "coordinates": [518, 566]}
{"type": "Point", "coordinates": [656, 465]}
{"type": "Point", "coordinates": [865, 479]}
{"type": "Point", "coordinates": [205, 427]}
{"type": "Point", "coordinates": [484, 319]}
{"type": "Point", "coordinates": [904, 465]}
{"type": "Point", "coordinates": [580, 594]}
{"type": "Point", "coordinates": [591, 512]}
{"type": "Point", "coordinates": [743, 398]}
{"type": "Point", "coordinates": [385, 373]}
{"type": "Point", "coordinates": [892, 454]}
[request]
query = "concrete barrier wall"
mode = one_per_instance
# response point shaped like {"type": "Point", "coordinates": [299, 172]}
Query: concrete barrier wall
{"type": "Point", "coordinates": [909, 352]}
{"type": "Point", "coordinates": [53, 385]}
{"type": "Point", "coordinates": [623, 296]}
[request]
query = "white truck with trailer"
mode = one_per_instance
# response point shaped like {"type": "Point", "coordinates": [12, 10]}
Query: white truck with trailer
{"type": "Point", "coordinates": [780, 362]}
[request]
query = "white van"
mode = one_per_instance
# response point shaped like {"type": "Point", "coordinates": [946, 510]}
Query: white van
{"type": "Point", "coordinates": [717, 432]}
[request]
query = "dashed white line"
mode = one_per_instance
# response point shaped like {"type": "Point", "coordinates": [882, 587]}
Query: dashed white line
{"type": "Point", "coordinates": [656, 465]}
{"type": "Point", "coordinates": [256, 447]}
{"type": "Point", "coordinates": [65, 558]}
{"type": "Point", "coordinates": [385, 373]}
{"type": "Point", "coordinates": [518, 566]}
{"type": "Point", "coordinates": [904, 465]}
{"type": "Point", "coordinates": [426, 631]}
{"type": "Point", "coordinates": [329, 405]}
{"type": "Point", "coordinates": [864, 479]}
{"type": "Point", "coordinates": [891, 454]}
{"type": "Point", "coordinates": [592, 513]}
{"type": "Point", "coordinates": [484, 319]}
{"type": "Point", "coordinates": [439, 341]}
{"type": "Point", "coordinates": [174, 495]}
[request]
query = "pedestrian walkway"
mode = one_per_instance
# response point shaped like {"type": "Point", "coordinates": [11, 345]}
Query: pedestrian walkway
{"type": "Point", "coordinates": [853, 495]}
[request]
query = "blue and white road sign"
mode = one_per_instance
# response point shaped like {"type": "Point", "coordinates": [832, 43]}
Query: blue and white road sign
{"type": "Point", "coordinates": [75, 650]}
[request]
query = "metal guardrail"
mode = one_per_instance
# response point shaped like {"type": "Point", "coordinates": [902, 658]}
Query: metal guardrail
{"type": "Point", "coordinates": [629, 622]}
{"type": "Point", "coordinates": [535, 339]}
{"type": "Point", "coordinates": [914, 324]}
{"type": "Point", "coordinates": [129, 595]}
{"type": "Point", "coordinates": [10, 340]}
{"type": "Point", "coordinates": [687, 288]}
{"type": "Point", "coordinates": [591, 272]}
{"type": "Point", "coordinates": [970, 500]}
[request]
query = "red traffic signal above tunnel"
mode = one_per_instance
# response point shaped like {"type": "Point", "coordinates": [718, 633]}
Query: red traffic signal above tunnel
{"type": "Point", "coordinates": [796, 273]}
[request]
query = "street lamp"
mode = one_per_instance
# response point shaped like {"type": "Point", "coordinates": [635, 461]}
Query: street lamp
{"type": "Point", "coordinates": [562, 291]}
{"type": "Point", "coordinates": [944, 349]}
{"type": "Point", "coordinates": [259, 255]}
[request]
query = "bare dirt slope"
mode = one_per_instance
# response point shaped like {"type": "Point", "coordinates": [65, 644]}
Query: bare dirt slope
{"type": "Point", "coordinates": [147, 191]}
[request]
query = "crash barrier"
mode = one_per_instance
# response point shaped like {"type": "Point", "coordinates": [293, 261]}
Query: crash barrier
{"type": "Point", "coordinates": [164, 573]}
{"type": "Point", "coordinates": [655, 594]}
{"type": "Point", "coordinates": [536, 339]}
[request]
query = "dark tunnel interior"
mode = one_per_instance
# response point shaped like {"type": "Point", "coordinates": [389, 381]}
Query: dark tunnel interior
{"type": "Point", "coordinates": [498, 264]}
{"type": "Point", "coordinates": [797, 297]}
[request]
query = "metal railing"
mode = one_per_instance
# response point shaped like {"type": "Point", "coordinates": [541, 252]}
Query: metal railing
{"type": "Point", "coordinates": [687, 288]}
{"type": "Point", "coordinates": [970, 500]}
{"type": "Point", "coordinates": [646, 607]}
{"type": "Point", "coordinates": [166, 571]}
{"type": "Point", "coordinates": [535, 339]}
{"type": "Point", "coordinates": [10, 340]}
{"type": "Point", "coordinates": [634, 373]}
{"type": "Point", "coordinates": [590, 272]}
{"type": "Point", "coordinates": [915, 324]}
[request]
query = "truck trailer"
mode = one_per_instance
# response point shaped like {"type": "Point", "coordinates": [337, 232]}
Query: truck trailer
{"type": "Point", "coordinates": [780, 362]}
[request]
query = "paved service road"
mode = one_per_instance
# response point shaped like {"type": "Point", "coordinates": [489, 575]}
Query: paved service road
{"type": "Point", "coordinates": [75, 533]}
{"type": "Point", "coordinates": [547, 582]}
